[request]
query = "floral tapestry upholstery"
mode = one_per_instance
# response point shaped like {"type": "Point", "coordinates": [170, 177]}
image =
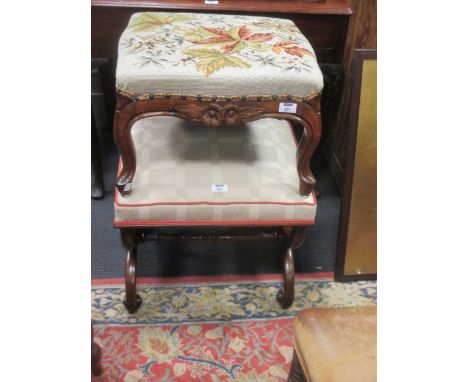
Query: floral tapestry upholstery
{"type": "Point", "coordinates": [178, 162]}
{"type": "Point", "coordinates": [207, 55]}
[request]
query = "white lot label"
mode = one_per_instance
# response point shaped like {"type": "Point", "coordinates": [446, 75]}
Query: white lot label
{"type": "Point", "coordinates": [212, 2]}
{"type": "Point", "coordinates": [219, 188]}
{"type": "Point", "coordinates": [287, 107]}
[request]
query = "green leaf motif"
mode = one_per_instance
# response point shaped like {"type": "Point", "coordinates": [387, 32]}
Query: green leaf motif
{"type": "Point", "coordinates": [212, 60]}
{"type": "Point", "coordinates": [203, 52]}
{"type": "Point", "coordinates": [147, 21]}
{"type": "Point", "coordinates": [234, 33]}
{"type": "Point", "coordinates": [197, 34]}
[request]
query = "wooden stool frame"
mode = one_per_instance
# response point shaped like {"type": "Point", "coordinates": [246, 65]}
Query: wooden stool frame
{"type": "Point", "coordinates": [214, 112]}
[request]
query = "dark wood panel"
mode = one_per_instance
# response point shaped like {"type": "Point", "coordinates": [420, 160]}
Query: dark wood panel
{"type": "Point", "coordinates": [362, 34]}
{"type": "Point", "coordinates": [328, 7]}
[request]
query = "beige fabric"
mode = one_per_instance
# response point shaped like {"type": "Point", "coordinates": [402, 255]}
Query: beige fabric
{"type": "Point", "coordinates": [337, 344]}
{"type": "Point", "coordinates": [215, 55]}
{"type": "Point", "coordinates": [179, 161]}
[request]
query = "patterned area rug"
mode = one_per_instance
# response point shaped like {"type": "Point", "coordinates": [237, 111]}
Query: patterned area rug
{"type": "Point", "coordinates": [208, 331]}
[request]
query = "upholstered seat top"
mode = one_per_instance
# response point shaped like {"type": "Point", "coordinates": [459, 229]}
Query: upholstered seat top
{"type": "Point", "coordinates": [337, 344]}
{"type": "Point", "coordinates": [190, 174]}
{"type": "Point", "coordinates": [191, 54]}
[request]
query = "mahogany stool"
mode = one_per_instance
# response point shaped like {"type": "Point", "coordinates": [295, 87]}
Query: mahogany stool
{"type": "Point", "coordinates": [249, 79]}
{"type": "Point", "coordinates": [335, 345]}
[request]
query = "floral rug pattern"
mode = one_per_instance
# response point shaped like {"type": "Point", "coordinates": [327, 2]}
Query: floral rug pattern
{"type": "Point", "coordinates": [208, 331]}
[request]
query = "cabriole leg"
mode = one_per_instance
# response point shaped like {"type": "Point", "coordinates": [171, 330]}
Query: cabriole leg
{"type": "Point", "coordinates": [123, 140]}
{"type": "Point", "coordinates": [130, 240]}
{"type": "Point", "coordinates": [285, 295]}
{"type": "Point", "coordinates": [295, 239]}
{"type": "Point", "coordinates": [306, 148]}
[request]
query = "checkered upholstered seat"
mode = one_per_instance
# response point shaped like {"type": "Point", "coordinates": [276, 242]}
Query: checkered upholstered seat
{"type": "Point", "coordinates": [207, 55]}
{"type": "Point", "coordinates": [178, 162]}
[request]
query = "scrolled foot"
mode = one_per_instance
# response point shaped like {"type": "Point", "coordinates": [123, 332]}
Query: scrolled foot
{"type": "Point", "coordinates": [124, 188]}
{"type": "Point", "coordinates": [284, 300]}
{"type": "Point", "coordinates": [132, 304]}
{"type": "Point", "coordinates": [305, 189]}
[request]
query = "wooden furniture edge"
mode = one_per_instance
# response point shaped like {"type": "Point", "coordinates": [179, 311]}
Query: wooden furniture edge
{"type": "Point", "coordinates": [347, 181]}
{"type": "Point", "coordinates": [336, 7]}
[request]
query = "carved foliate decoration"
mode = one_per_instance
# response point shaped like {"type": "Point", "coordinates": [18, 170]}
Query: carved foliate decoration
{"type": "Point", "coordinates": [216, 115]}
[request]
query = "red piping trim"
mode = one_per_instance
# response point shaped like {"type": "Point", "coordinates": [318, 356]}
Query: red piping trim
{"type": "Point", "coordinates": [210, 222]}
{"type": "Point", "coordinates": [210, 279]}
{"type": "Point", "coordinates": [117, 195]}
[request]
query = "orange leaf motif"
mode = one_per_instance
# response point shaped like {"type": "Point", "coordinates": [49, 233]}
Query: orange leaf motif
{"type": "Point", "coordinates": [279, 45]}
{"type": "Point", "coordinates": [244, 31]}
{"type": "Point", "coordinates": [223, 36]}
{"type": "Point", "coordinates": [297, 51]}
{"type": "Point", "coordinates": [213, 40]}
{"type": "Point", "coordinates": [218, 31]}
{"type": "Point", "coordinates": [291, 48]}
{"type": "Point", "coordinates": [246, 35]}
{"type": "Point", "coordinates": [227, 48]}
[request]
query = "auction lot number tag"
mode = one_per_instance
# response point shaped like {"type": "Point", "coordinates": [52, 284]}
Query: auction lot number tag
{"type": "Point", "coordinates": [219, 188]}
{"type": "Point", "coordinates": [286, 107]}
